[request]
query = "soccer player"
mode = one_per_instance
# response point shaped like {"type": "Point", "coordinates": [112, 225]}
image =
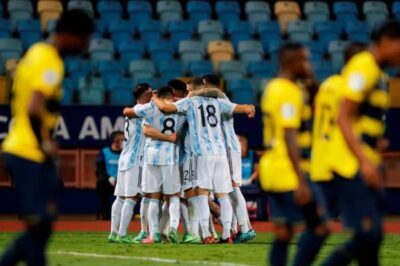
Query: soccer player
{"type": "Point", "coordinates": [29, 149]}
{"type": "Point", "coordinates": [161, 166]}
{"type": "Point", "coordinates": [283, 168]}
{"type": "Point", "coordinates": [233, 147]}
{"type": "Point", "coordinates": [361, 124]}
{"type": "Point", "coordinates": [206, 137]}
{"type": "Point", "coordinates": [128, 188]}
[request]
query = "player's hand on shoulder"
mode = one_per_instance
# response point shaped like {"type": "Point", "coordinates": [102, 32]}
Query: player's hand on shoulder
{"type": "Point", "coordinates": [370, 174]}
{"type": "Point", "coordinates": [302, 194]}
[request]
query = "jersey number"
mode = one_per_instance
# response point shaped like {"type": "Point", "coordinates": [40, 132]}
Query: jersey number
{"type": "Point", "coordinates": [126, 135]}
{"type": "Point", "coordinates": [326, 122]}
{"type": "Point", "coordinates": [211, 118]}
{"type": "Point", "coordinates": [168, 126]}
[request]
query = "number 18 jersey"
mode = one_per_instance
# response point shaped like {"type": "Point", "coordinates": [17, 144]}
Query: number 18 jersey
{"type": "Point", "coordinates": [204, 117]}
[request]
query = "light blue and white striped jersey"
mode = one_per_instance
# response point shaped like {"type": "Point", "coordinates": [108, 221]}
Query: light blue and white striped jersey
{"type": "Point", "coordinates": [185, 152]}
{"type": "Point", "coordinates": [134, 144]}
{"type": "Point", "coordinates": [231, 140]}
{"type": "Point", "coordinates": [203, 115]}
{"type": "Point", "coordinates": [160, 152]}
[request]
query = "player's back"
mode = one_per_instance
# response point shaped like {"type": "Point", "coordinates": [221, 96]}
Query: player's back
{"type": "Point", "coordinates": [228, 129]}
{"type": "Point", "coordinates": [327, 103]}
{"type": "Point", "coordinates": [41, 69]}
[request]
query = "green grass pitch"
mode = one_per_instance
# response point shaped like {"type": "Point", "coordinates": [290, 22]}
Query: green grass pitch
{"type": "Point", "coordinates": [78, 248]}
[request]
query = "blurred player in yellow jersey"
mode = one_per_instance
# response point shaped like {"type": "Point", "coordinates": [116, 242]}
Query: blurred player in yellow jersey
{"type": "Point", "coordinates": [287, 119]}
{"type": "Point", "coordinates": [355, 150]}
{"type": "Point", "coordinates": [29, 148]}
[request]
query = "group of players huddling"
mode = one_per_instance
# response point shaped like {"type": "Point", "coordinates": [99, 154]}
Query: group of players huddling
{"type": "Point", "coordinates": [181, 148]}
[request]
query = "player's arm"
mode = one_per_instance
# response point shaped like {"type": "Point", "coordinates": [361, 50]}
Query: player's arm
{"type": "Point", "coordinates": [348, 113]}
{"type": "Point", "coordinates": [164, 106]}
{"type": "Point", "coordinates": [153, 133]}
{"type": "Point", "coordinates": [248, 109]}
{"type": "Point", "coordinates": [129, 112]}
{"type": "Point", "coordinates": [208, 92]}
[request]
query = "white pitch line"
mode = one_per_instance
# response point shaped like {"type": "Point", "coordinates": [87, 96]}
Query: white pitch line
{"type": "Point", "coordinates": [155, 259]}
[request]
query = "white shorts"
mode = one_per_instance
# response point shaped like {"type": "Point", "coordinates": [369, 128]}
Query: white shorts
{"type": "Point", "coordinates": [187, 174]}
{"type": "Point", "coordinates": [161, 178]}
{"type": "Point", "coordinates": [213, 173]}
{"type": "Point", "coordinates": [129, 182]}
{"type": "Point", "coordinates": [235, 166]}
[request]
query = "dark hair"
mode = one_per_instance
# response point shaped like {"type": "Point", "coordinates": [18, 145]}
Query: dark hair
{"type": "Point", "coordinates": [140, 89]}
{"type": "Point", "coordinates": [287, 48]}
{"type": "Point", "coordinates": [196, 82]}
{"type": "Point", "coordinates": [164, 92]}
{"type": "Point", "coordinates": [178, 85]}
{"type": "Point", "coordinates": [212, 80]}
{"type": "Point", "coordinates": [115, 134]}
{"type": "Point", "coordinates": [75, 22]}
{"type": "Point", "coordinates": [354, 48]}
{"type": "Point", "coordinates": [390, 29]}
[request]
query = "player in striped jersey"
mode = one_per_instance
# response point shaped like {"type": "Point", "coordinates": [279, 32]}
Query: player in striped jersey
{"type": "Point", "coordinates": [161, 165]}
{"type": "Point", "coordinates": [128, 187]}
{"type": "Point", "coordinates": [207, 144]}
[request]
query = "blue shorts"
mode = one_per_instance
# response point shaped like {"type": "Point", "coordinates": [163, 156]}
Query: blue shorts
{"type": "Point", "coordinates": [329, 198]}
{"type": "Point", "coordinates": [36, 186]}
{"type": "Point", "coordinates": [360, 206]}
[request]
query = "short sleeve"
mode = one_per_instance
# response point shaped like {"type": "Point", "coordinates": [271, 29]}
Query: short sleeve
{"type": "Point", "coordinates": [226, 107]}
{"type": "Point", "coordinates": [183, 105]}
{"type": "Point", "coordinates": [47, 78]}
{"type": "Point", "coordinates": [289, 109]}
{"type": "Point", "coordinates": [143, 110]}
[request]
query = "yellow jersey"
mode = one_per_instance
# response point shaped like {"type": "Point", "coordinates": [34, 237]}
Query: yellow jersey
{"type": "Point", "coordinates": [283, 107]}
{"type": "Point", "coordinates": [41, 69]}
{"type": "Point", "coordinates": [364, 83]}
{"type": "Point", "coordinates": [327, 102]}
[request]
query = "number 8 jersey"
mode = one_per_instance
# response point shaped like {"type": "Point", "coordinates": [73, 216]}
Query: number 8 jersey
{"type": "Point", "coordinates": [160, 152]}
{"type": "Point", "coordinates": [204, 117]}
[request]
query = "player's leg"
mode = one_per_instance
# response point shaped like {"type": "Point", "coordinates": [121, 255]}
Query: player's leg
{"type": "Point", "coordinates": [316, 231]}
{"type": "Point", "coordinates": [116, 207]}
{"type": "Point", "coordinates": [144, 207]}
{"type": "Point", "coordinates": [184, 215]}
{"type": "Point", "coordinates": [215, 213]}
{"type": "Point", "coordinates": [194, 236]}
{"type": "Point", "coordinates": [164, 220]}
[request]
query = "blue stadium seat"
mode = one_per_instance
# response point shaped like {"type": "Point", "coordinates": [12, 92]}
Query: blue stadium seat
{"type": "Point", "coordinates": [227, 11]}
{"type": "Point", "coordinates": [120, 83]}
{"type": "Point", "coordinates": [101, 49]}
{"type": "Point", "coordinates": [323, 69]}
{"type": "Point", "coordinates": [5, 27]}
{"type": "Point", "coordinates": [150, 31]}
{"type": "Point", "coordinates": [327, 31]}
{"type": "Point", "coordinates": [10, 49]}
{"type": "Point", "coordinates": [139, 11]}
{"type": "Point", "coordinates": [191, 50]}
{"type": "Point", "coordinates": [20, 9]}
{"type": "Point", "coordinates": [121, 97]}
{"type": "Point", "coordinates": [130, 50]}
{"type": "Point", "coordinates": [273, 49]}
{"type": "Point", "coordinates": [375, 12]}
{"type": "Point", "coordinates": [179, 31]}
{"type": "Point", "coordinates": [110, 69]}
{"type": "Point", "coordinates": [109, 10]}
{"type": "Point", "coordinates": [299, 31]}
{"type": "Point", "coordinates": [358, 31]}
{"type": "Point", "coordinates": [169, 10]}
{"type": "Point", "coordinates": [83, 5]}
{"type": "Point", "coordinates": [210, 30]}
{"type": "Point", "coordinates": [91, 97]}
{"type": "Point", "coordinates": [262, 69]}
{"type": "Point", "coordinates": [239, 31]}
{"type": "Point", "coordinates": [30, 32]}
{"type": "Point", "coordinates": [199, 68]}
{"type": "Point", "coordinates": [51, 26]}
{"type": "Point", "coordinates": [316, 11]}
{"type": "Point", "coordinates": [171, 68]}
{"type": "Point", "coordinates": [257, 11]}
{"type": "Point", "coordinates": [91, 83]}
{"type": "Point", "coordinates": [336, 51]}
{"type": "Point", "coordinates": [68, 97]}
{"type": "Point", "coordinates": [75, 64]}
{"type": "Point", "coordinates": [153, 82]}
{"type": "Point", "coordinates": [241, 91]}
{"type": "Point", "coordinates": [250, 50]}
{"type": "Point", "coordinates": [345, 11]}
{"type": "Point", "coordinates": [142, 69]}
{"type": "Point", "coordinates": [121, 30]}
{"type": "Point", "coordinates": [161, 50]}
{"type": "Point", "coordinates": [198, 11]}
{"type": "Point", "coordinates": [268, 31]}
{"type": "Point", "coordinates": [396, 9]}
{"type": "Point", "coordinates": [232, 70]}
{"type": "Point", "coordinates": [317, 50]}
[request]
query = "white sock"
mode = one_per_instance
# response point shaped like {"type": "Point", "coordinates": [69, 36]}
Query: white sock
{"type": "Point", "coordinates": [240, 208]}
{"type": "Point", "coordinates": [174, 213]}
{"type": "Point", "coordinates": [185, 217]}
{"type": "Point", "coordinates": [234, 222]}
{"type": "Point", "coordinates": [204, 215]}
{"type": "Point", "coordinates": [144, 207]}
{"type": "Point", "coordinates": [226, 216]}
{"type": "Point", "coordinates": [193, 216]}
{"type": "Point", "coordinates": [126, 216]}
{"type": "Point", "coordinates": [154, 212]}
{"type": "Point", "coordinates": [164, 220]}
{"type": "Point", "coordinates": [116, 214]}
{"type": "Point", "coordinates": [212, 228]}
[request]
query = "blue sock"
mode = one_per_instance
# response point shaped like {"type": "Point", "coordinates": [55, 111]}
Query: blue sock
{"type": "Point", "coordinates": [278, 253]}
{"type": "Point", "coordinates": [342, 255]}
{"type": "Point", "coordinates": [308, 247]}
